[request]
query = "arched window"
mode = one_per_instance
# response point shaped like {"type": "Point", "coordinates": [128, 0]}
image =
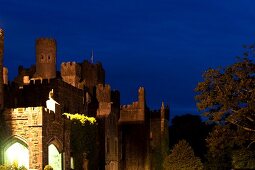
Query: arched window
{"type": "Point", "coordinates": [16, 151]}
{"type": "Point", "coordinates": [55, 157]}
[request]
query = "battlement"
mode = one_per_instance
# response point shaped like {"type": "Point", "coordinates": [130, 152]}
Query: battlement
{"type": "Point", "coordinates": [134, 112]}
{"type": "Point", "coordinates": [102, 87]}
{"type": "Point", "coordinates": [103, 93]}
{"type": "Point", "coordinates": [68, 64]}
{"type": "Point", "coordinates": [48, 41]}
{"type": "Point", "coordinates": [70, 69]}
{"type": "Point", "coordinates": [129, 107]}
{"type": "Point", "coordinates": [93, 74]}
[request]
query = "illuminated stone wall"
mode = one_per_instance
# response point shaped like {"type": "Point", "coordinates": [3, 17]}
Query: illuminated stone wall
{"type": "Point", "coordinates": [134, 112]}
{"type": "Point", "coordinates": [37, 128]}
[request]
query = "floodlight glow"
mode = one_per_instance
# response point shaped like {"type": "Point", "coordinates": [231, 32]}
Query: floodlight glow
{"type": "Point", "coordinates": [55, 158]}
{"type": "Point", "coordinates": [17, 153]}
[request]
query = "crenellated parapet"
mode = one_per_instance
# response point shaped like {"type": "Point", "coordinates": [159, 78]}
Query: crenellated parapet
{"type": "Point", "coordinates": [134, 112]}
{"type": "Point", "coordinates": [71, 73]}
{"type": "Point", "coordinates": [92, 74]}
{"type": "Point", "coordinates": [70, 69]}
{"type": "Point", "coordinates": [103, 95]}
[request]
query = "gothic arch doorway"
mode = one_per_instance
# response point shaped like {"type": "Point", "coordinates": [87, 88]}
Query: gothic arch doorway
{"type": "Point", "coordinates": [54, 157]}
{"type": "Point", "coordinates": [16, 151]}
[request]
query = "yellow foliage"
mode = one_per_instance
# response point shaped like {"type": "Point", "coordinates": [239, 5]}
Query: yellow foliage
{"type": "Point", "coordinates": [80, 117]}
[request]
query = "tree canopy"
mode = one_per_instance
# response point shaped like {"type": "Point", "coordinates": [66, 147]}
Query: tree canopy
{"type": "Point", "coordinates": [227, 95]}
{"type": "Point", "coordinates": [182, 157]}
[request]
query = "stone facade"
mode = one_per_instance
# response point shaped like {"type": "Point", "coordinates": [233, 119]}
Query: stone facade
{"type": "Point", "coordinates": [126, 137]}
{"type": "Point", "coordinates": [37, 127]}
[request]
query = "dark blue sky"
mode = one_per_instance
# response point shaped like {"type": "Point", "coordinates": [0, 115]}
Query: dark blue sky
{"type": "Point", "coordinates": [163, 45]}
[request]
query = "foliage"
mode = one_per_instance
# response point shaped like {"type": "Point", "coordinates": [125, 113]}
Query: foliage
{"type": "Point", "coordinates": [228, 95]}
{"type": "Point", "coordinates": [84, 140]}
{"type": "Point", "coordinates": [244, 159]}
{"type": "Point", "coordinates": [13, 166]}
{"type": "Point", "coordinates": [48, 167]}
{"type": "Point", "coordinates": [220, 143]}
{"type": "Point", "coordinates": [182, 157]}
{"type": "Point", "coordinates": [81, 118]}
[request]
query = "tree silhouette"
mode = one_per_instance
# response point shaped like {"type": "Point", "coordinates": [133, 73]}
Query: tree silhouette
{"type": "Point", "coordinates": [182, 157]}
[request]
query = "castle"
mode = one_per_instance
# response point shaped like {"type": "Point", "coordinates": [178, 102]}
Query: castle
{"type": "Point", "coordinates": [37, 134]}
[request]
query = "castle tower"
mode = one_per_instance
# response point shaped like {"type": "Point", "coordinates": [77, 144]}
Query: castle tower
{"type": "Point", "coordinates": [1, 68]}
{"type": "Point", "coordinates": [141, 98]}
{"type": "Point", "coordinates": [45, 58]}
{"type": "Point", "coordinates": [92, 74]}
{"type": "Point", "coordinates": [71, 73]}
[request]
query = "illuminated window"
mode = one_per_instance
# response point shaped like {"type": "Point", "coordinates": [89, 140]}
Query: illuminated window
{"type": "Point", "coordinates": [55, 158]}
{"type": "Point", "coordinates": [17, 152]}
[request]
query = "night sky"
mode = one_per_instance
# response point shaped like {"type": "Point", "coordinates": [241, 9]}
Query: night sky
{"type": "Point", "coordinates": [163, 45]}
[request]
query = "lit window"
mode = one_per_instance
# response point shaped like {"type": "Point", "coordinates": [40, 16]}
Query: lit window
{"type": "Point", "coordinates": [17, 153]}
{"type": "Point", "coordinates": [55, 158]}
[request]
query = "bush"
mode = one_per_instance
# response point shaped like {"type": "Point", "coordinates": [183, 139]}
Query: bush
{"type": "Point", "coordinates": [182, 157]}
{"type": "Point", "coordinates": [48, 167]}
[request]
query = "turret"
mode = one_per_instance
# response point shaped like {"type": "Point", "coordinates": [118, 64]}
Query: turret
{"type": "Point", "coordinates": [92, 74]}
{"type": "Point", "coordinates": [45, 58]}
{"type": "Point", "coordinates": [141, 98]}
{"type": "Point", "coordinates": [71, 73]}
{"type": "Point", "coordinates": [1, 68]}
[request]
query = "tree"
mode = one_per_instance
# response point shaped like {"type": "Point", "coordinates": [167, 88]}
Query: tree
{"type": "Point", "coordinates": [228, 95]}
{"type": "Point", "coordinates": [244, 158]}
{"type": "Point", "coordinates": [182, 157]}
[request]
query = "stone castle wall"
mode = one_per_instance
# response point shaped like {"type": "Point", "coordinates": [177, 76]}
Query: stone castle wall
{"type": "Point", "coordinates": [37, 127]}
{"type": "Point", "coordinates": [92, 74]}
{"type": "Point", "coordinates": [71, 73]}
{"type": "Point", "coordinates": [36, 93]}
{"type": "Point", "coordinates": [134, 112]}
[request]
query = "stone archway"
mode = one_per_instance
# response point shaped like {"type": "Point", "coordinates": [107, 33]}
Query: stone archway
{"type": "Point", "coordinates": [54, 157]}
{"type": "Point", "coordinates": [17, 151]}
